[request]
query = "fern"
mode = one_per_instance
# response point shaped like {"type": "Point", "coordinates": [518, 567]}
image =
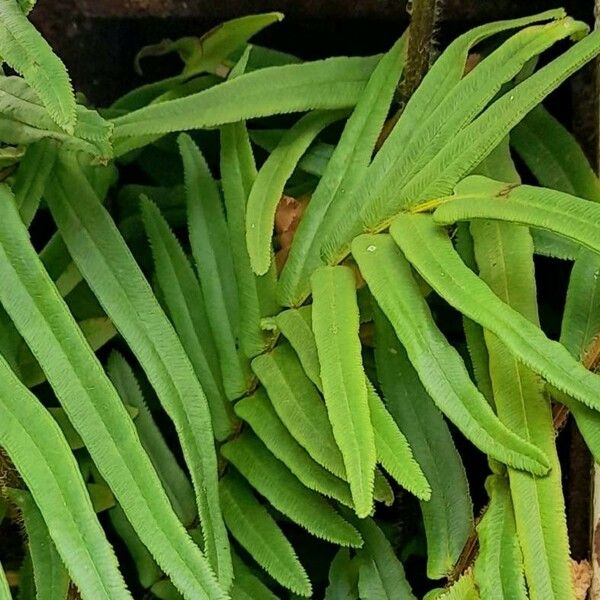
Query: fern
{"type": "Point", "coordinates": [451, 388]}
{"type": "Point", "coordinates": [51, 578]}
{"type": "Point", "coordinates": [330, 84]}
{"type": "Point", "coordinates": [335, 324]}
{"type": "Point", "coordinates": [259, 413]}
{"type": "Point", "coordinates": [246, 410]}
{"type": "Point", "coordinates": [345, 167]}
{"type": "Point", "coordinates": [109, 268]}
{"type": "Point", "coordinates": [255, 529]}
{"type": "Point", "coordinates": [26, 51]}
{"type": "Point", "coordinates": [30, 436]}
{"type": "Point", "coordinates": [270, 183]}
{"type": "Point", "coordinates": [272, 479]}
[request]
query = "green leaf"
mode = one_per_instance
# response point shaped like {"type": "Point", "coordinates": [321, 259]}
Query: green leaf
{"type": "Point", "coordinates": [273, 480]}
{"type": "Point", "coordinates": [51, 577]}
{"type": "Point", "coordinates": [463, 152]}
{"type": "Point", "coordinates": [345, 169]}
{"type": "Point", "coordinates": [209, 53]}
{"type": "Point", "coordinates": [327, 84]}
{"type": "Point", "coordinates": [4, 589]}
{"type": "Point", "coordinates": [448, 515]}
{"type": "Point", "coordinates": [566, 215]}
{"type": "Point", "coordinates": [464, 589]}
{"type": "Point", "coordinates": [416, 159]}
{"type": "Point", "coordinates": [256, 530]}
{"type": "Point", "coordinates": [185, 303]}
{"type": "Point", "coordinates": [438, 364]}
{"type": "Point", "coordinates": [24, 120]}
{"type": "Point", "coordinates": [36, 446]}
{"type": "Point", "coordinates": [147, 569]}
{"type": "Point", "coordinates": [270, 183]}
{"type": "Point", "coordinates": [430, 250]}
{"type": "Point", "coordinates": [392, 448]}
{"type": "Point", "coordinates": [211, 248]}
{"type": "Point", "coordinates": [343, 577]}
{"type": "Point", "coordinates": [299, 406]}
{"type": "Point", "coordinates": [335, 323]}
{"type": "Point", "coordinates": [28, 53]}
{"type": "Point", "coordinates": [383, 567]}
{"type": "Point", "coordinates": [31, 178]}
{"type": "Point", "coordinates": [246, 586]}
{"type": "Point", "coordinates": [259, 413]}
{"type": "Point", "coordinates": [111, 272]}
{"type": "Point", "coordinates": [498, 569]}
{"type": "Point", "coordinates": [98, 331]}
{"type": "Point", "coordinates": [256, 294]}
{"type": "Point", "coordinates": [174, 480]}
{"type": "Point", "coordinates": [553, 155]}
{"type": "Point", "coordinates": [504, 253]}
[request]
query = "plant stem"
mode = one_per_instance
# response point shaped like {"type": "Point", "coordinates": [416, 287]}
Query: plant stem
{"type": "Point", "coordinates": [420, 43]}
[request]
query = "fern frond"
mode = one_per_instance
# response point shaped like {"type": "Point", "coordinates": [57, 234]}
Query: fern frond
{"type": "Point", "coordinates": [256, 294]}
{"type": "Point", "coordinates": [270, 183]}
{"type": "Point", "coordinates": [256, 530]}
{"type": "Point", "coordinates": [185, 303]}
{"type": "Point", "coordinates": [326, 84]}
{"type": "Point", "coordinates": [107, 265]}
{"type": "Point", "coordinates": [335, 323]}
{"type": "Point", "coordinates": [448, 515]}
{"type": "Point", "coordinates": [273, 480]}
{"type": "Point", "coordinates": [212, 254]}
{"type": "Point", "coordinates": [36, 446]}
{"type": "Point", "coordinates": [344, 170]}
{"type": "Point", "coordinates": [28, 53]}
{"type": "Point", "coordinates": [439, 366]}
{"type": "Point", "coordinates": [259, 413]}
{"type": "Point", "coordinates": [430, 251]}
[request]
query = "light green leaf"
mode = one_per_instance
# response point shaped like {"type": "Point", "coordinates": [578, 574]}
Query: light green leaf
{"type": "Point", "coordinates": [24, 120]}
{"type": "Point", "coordinates": [327, 84]}
{"type": "Point", "coordinates": [185, 303]}
{"type": "Point", "coordinates": [174, 480]}
{"type": "Point", "coordinates": [498, 569]}
{"type": "Point", "coordinates": [211, 248]}
{"type": "Point", "coordinates": [430, 250]}
{"type": "Point", "coordinates": [31, 178]}
{"type": "Point", "coordinates": [36, 446]}
{"type": "Point", "coordinates": [98, 331]}
{"type": "Point", "coordinates": [259, 413]}
{"type": "Point", "coordinates": [566, 215]}
{"type": "Point", "coordinates": [448, 515]}
{"type": "Point", "coordinates": [392, 448]}
{"type": "Point", "coordinates": [270, 183]}
{"type": "Point", "coordinates": [113, 275]}
{"type": "Point", "coordinates": [299, 406]}
{"type": "Point", "coordinates": [27, 52]}
{"type": "Point", "coordinates": [345, 169]}
{"type": "Point", "coordinates": [335, 323]}
{"type": "Point", "coordinates": [256, 295]}
{"type": "Point", "coordinates": [273, 480]}
{"type": "Point", "coordinates": [504, 253]}
{"type": "Point", "coordinates": [51, 577]}
{"type": "Point", "coordinates": [256, 530]}
{"type": "Point", "coordinates": [438, 364]}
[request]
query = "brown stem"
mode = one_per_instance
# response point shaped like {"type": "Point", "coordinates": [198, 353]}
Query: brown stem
{"type": "Point", "coordinates": [420, 44]}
